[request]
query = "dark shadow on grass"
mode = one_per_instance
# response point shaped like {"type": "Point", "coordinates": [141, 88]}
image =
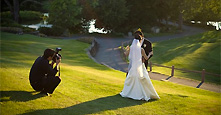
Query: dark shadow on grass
{"type": "Point", "coordinates": [22, 96]}
{"type": "Point", "coordinates": [94, 106]}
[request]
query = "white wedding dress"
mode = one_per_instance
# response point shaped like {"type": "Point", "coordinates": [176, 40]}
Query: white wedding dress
{"type": "Point", "coordinates": [138, 85]}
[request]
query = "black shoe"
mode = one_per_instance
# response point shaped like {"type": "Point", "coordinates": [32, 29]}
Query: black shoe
{"type": "Point", "coordinates": [44, 93]}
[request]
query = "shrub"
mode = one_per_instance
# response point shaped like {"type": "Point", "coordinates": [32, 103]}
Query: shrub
{"type": "Point", "coordinates": [54, 31]}
{"type": "Point", "coordinates": [14, 30]}
{"type": "Point", "coordinates": [6, 15]}
{"type": "Point", "coordinates": [6, 22]}
{"type": "Point", "coordinates": [24, 15]}
{"type": "Point", "coordinates": [30, 15]}
{"type": "Point", "coordinates": [88, 40]}
{"type": "Point", "coordinates": [28, 30]}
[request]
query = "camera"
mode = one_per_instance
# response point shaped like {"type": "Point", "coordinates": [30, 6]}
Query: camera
{"type": "Point", "coordinates": [57, 56]}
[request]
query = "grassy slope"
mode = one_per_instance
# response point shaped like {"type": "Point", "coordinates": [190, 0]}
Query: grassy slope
{"type": "Point", "coordinates": [197, 52]}
{"type": "Point", "coordinates": [86, 87]}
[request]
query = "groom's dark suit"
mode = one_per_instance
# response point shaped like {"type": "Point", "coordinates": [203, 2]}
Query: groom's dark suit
{"type": "Point", "coordinates": [147, 46]}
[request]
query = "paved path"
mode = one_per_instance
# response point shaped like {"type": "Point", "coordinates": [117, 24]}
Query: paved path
{"type": "Point", "coordinates": [109, 52]}
{"type": "Point", "coordinates": [109, 55]}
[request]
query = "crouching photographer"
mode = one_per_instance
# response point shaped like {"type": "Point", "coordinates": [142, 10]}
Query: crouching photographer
{"type": "Point", "coordinates": [42, 75]}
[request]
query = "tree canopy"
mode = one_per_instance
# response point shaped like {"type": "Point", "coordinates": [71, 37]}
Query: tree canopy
{"type": "Point", "coordinates": [118, 15]}
{"type": "Point", "coordinates": [111, 14]}
{"type": "Point", "coordinates": [64, 13]}
{"type": "Point", "coordinates": [202, 10]}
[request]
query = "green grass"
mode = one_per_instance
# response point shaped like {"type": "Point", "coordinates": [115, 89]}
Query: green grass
{"type": "Point", "coordinates": [86, 87]}
{"type": "Point", "coordinates": [201, 51]}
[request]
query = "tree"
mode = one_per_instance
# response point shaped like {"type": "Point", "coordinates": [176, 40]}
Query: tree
{"type": "Point", "coordinates": [142, 14]}
{"type": "Point", "coordinates": [34, 5]}
{"type": "Point", "coordinates": [14, 7]}
{"type": "Point", "coordinates": [88, 13]}
{"type": "Point", "coordinates": [175, 11]}
{"type": "Point", "coordinates": [88, 9]}
{"type": "Point", "coordinates": [202, 10]}
{"type": "Point", "coordinates": [111, 14]}
{"type": "Point", "coordinates": [64, 13]}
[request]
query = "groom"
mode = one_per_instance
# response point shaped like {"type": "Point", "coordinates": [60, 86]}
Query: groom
{"type": "Point", "coordinates": [147, 46]}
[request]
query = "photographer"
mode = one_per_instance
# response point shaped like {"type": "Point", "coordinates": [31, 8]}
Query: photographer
{"type": "Point", "coordinates": [42, 74]}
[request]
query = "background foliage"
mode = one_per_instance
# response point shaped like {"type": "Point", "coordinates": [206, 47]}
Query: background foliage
{"type": "Point", "coordinates": [118, 16]}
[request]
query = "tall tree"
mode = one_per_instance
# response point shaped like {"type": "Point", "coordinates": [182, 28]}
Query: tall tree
{"type": "Point", "coordinates": [175, 11]}
{"type": "Point", "coordinates": [16, 10]}
{"type": "Point", "coordinates": [64, 13]}
{"type": "Point", "coordinates": [14, 7]}
{"type": "Point", "coordinates": [111, 14]}
{"type": "Point", "coordinates": [202, 10]}
{"type": "Point", "coordinates": [33, 5]}
{"type": "Point", "coordinates": [88, 13]}
{"type": "Point", "coordinates": [142, 13]}
{"type": "Point", "coordinates": [88, 9]}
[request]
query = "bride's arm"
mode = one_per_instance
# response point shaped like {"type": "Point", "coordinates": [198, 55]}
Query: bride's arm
{"type": "Point", "coordinates": [127, 51]}
{"type": "Point", "coordinates": [144, 54]}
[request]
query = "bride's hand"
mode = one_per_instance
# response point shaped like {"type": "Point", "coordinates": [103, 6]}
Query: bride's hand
{"type": "Point", "coordinates": [127, 48]}
{"type": "Point", "coordinates": [126, 52]}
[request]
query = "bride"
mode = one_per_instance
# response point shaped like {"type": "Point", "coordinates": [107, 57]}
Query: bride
{"type": "Point", "coordinates": [138, 85]}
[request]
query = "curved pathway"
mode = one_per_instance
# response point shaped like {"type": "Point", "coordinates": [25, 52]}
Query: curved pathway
{"type": "Point", "coordinates": [109, 55]}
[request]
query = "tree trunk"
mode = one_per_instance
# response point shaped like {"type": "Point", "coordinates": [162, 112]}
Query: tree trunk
{"type": "Point", "coordinates": [10, 7]}
{"type": "Point", "coordinates": [16, 10]}
{"type": "Point", "coordinates": [181, 21]}
{"type": "Point", "coordinates": [167, 26]}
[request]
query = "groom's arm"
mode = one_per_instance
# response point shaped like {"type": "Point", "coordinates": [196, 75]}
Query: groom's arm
{"type": "Point", "coordinates": [144, 54]}
{"type": "Point", "coordinates": [150, 49]}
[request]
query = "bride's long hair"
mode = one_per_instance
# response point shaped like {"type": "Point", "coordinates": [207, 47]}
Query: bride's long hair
{"type": "Point", "coordinates": [137, 36]}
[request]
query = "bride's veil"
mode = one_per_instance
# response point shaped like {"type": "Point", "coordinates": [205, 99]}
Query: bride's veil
{"type": "Point", "coordinates": [135, 59]}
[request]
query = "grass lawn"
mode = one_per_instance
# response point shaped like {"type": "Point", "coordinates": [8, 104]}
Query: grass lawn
{"type": "Point", "coordinates": [196, 52]}
{"type": "Point", "coordinates": [86, 87]}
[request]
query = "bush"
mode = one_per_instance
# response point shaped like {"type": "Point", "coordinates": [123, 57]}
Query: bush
{"type": "Point", "coordinates": [6, 15]}
{"type": "Point", "coordinates": [88, 40]}
{"type": "Point", "coordinates": [24, 15]}
{"type": "Point", "coordinates": [54, 31]}
{"type": "Point", "coordinates": [44, 30]}
{"type": "Point", "coordinates": [6, 22]}
{"type": "Point", "coordinates": [28, 30]}
{"type": "Point", "coordinates": [30, 15]}
{"type": "Point", "coordinates": [14, 30]}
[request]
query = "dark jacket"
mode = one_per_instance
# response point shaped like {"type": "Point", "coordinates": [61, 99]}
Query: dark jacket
{"type": "Point", "coordinates": [147, 46]}
{"type": "Point", "coordinates": [40, 69]}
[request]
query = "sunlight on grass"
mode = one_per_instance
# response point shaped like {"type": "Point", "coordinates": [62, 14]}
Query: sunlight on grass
{"type": "Point", "coordinates": [86, 87]}
{"type": "Point", "coordinates": [197, 52]}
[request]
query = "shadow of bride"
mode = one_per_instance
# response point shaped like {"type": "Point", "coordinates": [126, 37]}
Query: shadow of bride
{"type": "Point", "coordinates": [22, 96]}
{"type": "Point", "coordinates": [94, 106]}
